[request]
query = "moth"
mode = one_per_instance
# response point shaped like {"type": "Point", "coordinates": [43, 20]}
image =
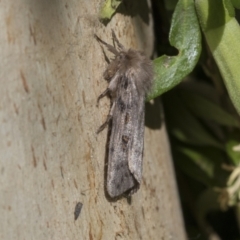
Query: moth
{"type": "Point", "coordinates": [130, 77]}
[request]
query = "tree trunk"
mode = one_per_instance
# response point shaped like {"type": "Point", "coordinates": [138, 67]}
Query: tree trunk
{"type": "Point", "coordinates": [50, 156]}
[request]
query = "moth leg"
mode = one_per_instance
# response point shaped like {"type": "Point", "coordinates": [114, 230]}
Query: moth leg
{"type": "Point", "coordinates": [120, 46]}
{"type": "Point", "coordinates": [109, 47]}
{"type": "Point", "coordinates": [109, 117]}
{"type": "Point", "coordinates": [112, 87]}
{"type": "Point", "coordinates": [102, 95]}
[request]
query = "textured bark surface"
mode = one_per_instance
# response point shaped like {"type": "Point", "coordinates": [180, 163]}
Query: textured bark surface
{"type": "Point", "coordinates": [50, 157]}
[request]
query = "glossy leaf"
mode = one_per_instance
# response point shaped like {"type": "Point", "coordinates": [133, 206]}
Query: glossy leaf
{"type": "Point", "coordinates": [202, 164]}
{"type": "Point", "coordinates": [236, 3]}
{"type": "Point", "coordinates": [205, 109]}
{"type": "Point", "coordinates": [108, 9]}
{"type": "Point", "coordinates": [233, 148]}
{"type": "Point", "coordinates": [184, 125]}
{"type": "Point", "coordinates": [222, 33]}
{"type": "Point", "coordinates": [186, 37]}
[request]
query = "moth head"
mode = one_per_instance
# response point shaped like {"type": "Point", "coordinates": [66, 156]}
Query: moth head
{"type": "Point", "coordinates": [114, 65]}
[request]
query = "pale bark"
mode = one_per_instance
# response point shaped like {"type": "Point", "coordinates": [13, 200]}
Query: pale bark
{"type": "Point", "coordinates": [50, 157]}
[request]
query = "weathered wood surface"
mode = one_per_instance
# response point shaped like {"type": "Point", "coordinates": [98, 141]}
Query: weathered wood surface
{"type": "Point", "coordinates": [50, 156]}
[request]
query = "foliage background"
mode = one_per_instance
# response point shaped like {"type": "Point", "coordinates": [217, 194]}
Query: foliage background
{"type": "Point", "coordinates": [200, 43]}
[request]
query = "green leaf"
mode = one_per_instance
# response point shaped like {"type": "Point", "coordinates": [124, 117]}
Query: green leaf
{"type": "Point", "coordinates": [108, 9]}
{"type": "Point", "coordinates": [205, 109]}
{"type": "Point", "coordinates": [202, 164]}
{"type": "Point", "coordinates": [236, 3]}
{"type": "Point", "coordinates": [186, 37]}
{"type": "Point", "coordinates": [170, 4]}
{"type": "Point", "coordinates": [233, 148]}
{"type": "Point", "coordinates": [184, 125]}
{"type": "Point", "coordinates": [222, 33]}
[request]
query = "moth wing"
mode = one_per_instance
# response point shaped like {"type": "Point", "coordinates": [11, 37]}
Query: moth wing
{"type": "Point", "coordinates": [135, 155]}
{"type": "Point", "coordinates": [126, 141]}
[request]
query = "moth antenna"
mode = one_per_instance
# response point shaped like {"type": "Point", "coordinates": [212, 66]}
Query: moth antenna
{"type": "Point", "coordinates": [120, 46]}
{"type": "Point", "coordinates": [109, 47]}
